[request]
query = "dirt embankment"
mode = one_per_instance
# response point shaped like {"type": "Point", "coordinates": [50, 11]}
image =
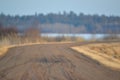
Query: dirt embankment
{"type": "Point", "coordinates": [105, 53]}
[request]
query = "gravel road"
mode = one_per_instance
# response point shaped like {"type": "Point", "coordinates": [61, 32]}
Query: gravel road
{"type": "Point", "coordinates": [52, 62]}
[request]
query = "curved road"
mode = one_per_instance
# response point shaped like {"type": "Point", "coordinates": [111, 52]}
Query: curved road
{"type": "Point", "coordinates": [52, 62]}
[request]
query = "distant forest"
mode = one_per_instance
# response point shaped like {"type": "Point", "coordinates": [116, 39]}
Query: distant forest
{"type": "Point", "coordinates": [63, 23]}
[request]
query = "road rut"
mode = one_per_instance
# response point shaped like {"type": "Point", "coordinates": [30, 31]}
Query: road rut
{"type": "Point", "coordinates": [52, 62]}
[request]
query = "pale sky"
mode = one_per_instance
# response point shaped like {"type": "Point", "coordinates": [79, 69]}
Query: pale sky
{"type": "Point", "coordinates": [29, 7]}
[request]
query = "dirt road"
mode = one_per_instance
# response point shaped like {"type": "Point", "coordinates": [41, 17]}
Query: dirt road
{"type": "Point", "coordinates": [52, 62]}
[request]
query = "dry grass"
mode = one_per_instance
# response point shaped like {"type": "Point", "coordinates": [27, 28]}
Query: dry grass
{"type": "Point", "coordinates": [3, 50]}
{"type": "Point", "coordinates": [107, 54]}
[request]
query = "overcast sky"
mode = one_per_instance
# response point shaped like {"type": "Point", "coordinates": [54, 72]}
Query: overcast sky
{"type": "Point", "coordinates": [29, 7]}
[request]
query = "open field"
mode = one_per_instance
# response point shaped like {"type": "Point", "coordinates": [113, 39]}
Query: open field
{"type": "Point", "coordinates": [52, 62]}
{"type": "Point", "coordinates": [105, 53]}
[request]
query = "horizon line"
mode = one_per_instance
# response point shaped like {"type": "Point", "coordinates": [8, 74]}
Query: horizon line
{"type": "Point", "coordinates": [59, 12]}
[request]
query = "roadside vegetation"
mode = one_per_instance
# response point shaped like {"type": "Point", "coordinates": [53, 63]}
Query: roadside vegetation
{"type": "Point", "coordinates": [107, 54]}
{"type": "Point", "coordinates": [9, 36]}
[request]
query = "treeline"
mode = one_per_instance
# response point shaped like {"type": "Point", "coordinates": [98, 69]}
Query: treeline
{"type": "Point", "coordinates": [89, 23]}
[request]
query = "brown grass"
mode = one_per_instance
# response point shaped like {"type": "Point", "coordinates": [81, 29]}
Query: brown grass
{"type": "Point", "coordinates": [107, 54]}
{"type": "Point", "coordinates": [3, 50]}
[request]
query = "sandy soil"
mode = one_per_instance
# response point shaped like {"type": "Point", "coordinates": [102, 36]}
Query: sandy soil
{"type": "Point", "coordinates": [52, 62]}
{"type": "Point", "coordinates": [105, 53]}
{"type": "Point", "coordinates": [3, 50]}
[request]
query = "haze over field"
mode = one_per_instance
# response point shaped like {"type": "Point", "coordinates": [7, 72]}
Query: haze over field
{"type": "Point", "coordinates": [62, 16]}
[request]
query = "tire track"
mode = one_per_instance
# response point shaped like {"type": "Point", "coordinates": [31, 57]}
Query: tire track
{"type": "Point", "coordinates": [52, 62]}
